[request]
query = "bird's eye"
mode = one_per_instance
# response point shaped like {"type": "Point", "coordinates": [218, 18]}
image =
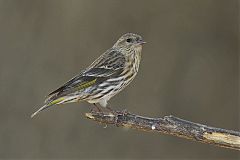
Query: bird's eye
{"type": "Point", "coordinates": [129, 40]}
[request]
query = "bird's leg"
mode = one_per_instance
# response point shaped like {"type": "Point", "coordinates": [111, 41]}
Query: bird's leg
{"type": "Point", "coordinates": [109, 109]}
{"type": "Point", "coordinates": [96, 107]}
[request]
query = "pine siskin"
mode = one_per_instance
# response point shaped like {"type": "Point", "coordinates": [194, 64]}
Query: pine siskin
{"type": "Point", "coordinates": [104, 78]}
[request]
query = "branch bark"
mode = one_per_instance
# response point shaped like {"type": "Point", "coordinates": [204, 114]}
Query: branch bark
{"type": "Point", "coordinates": [171, 125]}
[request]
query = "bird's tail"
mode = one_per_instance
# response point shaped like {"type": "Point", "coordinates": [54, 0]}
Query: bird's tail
{"type": "Point", "coordinates": [60, 100]}
{"type": "Point", "coordinates": [41, 109]}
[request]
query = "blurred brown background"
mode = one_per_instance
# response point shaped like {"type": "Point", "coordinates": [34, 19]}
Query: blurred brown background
{"type": "Point", "coordinates": [189, 69]}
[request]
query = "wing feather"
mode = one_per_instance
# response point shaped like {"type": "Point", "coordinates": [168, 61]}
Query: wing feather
{"type": "Point", "coordinates": [106, 66]}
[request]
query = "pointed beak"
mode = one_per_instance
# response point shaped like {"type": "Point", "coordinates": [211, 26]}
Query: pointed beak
{"type": "Point", "coordinates": [141, 42]}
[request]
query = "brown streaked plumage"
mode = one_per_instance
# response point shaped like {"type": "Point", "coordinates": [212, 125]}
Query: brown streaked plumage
{"type": "Point", "coordinates": [104, 78]}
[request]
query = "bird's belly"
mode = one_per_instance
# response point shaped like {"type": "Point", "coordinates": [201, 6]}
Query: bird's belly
{"type": "Point", "coordinates": [107, 90]}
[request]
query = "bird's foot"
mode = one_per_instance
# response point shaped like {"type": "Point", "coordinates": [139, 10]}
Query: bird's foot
{"type": "Point", "coordinates": [114, 114]}
{"type": "Point", "coordinates": [96, 108]}
{"type": "Point", "coordinates": [110, 110]}
{"type": "Point", "coordinates": [124, 112]}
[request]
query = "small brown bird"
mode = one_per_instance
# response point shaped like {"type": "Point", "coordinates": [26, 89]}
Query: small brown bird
{"type": "Point", "coordinates": [104, 78]}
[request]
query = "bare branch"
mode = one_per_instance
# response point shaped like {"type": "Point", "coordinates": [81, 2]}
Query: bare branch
{"type": "Point", "coordinates": [173, 126]}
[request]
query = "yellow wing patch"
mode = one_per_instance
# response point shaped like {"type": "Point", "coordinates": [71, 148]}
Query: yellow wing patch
{"type": "Point", "coordinates": [56, 101]}
{"type": "Point", "coordinates": [87, 84]}
{"type": "Point", "coordinates": [81, 86]}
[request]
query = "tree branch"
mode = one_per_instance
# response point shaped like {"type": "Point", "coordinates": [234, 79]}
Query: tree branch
{"type": "Point", "coordinates": [171, 125]}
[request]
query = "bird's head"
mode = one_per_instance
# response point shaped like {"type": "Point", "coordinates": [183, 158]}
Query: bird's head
{"type": "Point", "coordinates": [129, 41]}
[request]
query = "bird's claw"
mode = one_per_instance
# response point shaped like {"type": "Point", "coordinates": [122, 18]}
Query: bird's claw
{"type": "Point", "coordinates": [124, 112]}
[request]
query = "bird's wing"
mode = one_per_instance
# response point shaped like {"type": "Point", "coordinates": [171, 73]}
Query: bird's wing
{"type": "Point", "coordinates": [103, 68]}
{"type": "Point", "coordinates": [111, 59]}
